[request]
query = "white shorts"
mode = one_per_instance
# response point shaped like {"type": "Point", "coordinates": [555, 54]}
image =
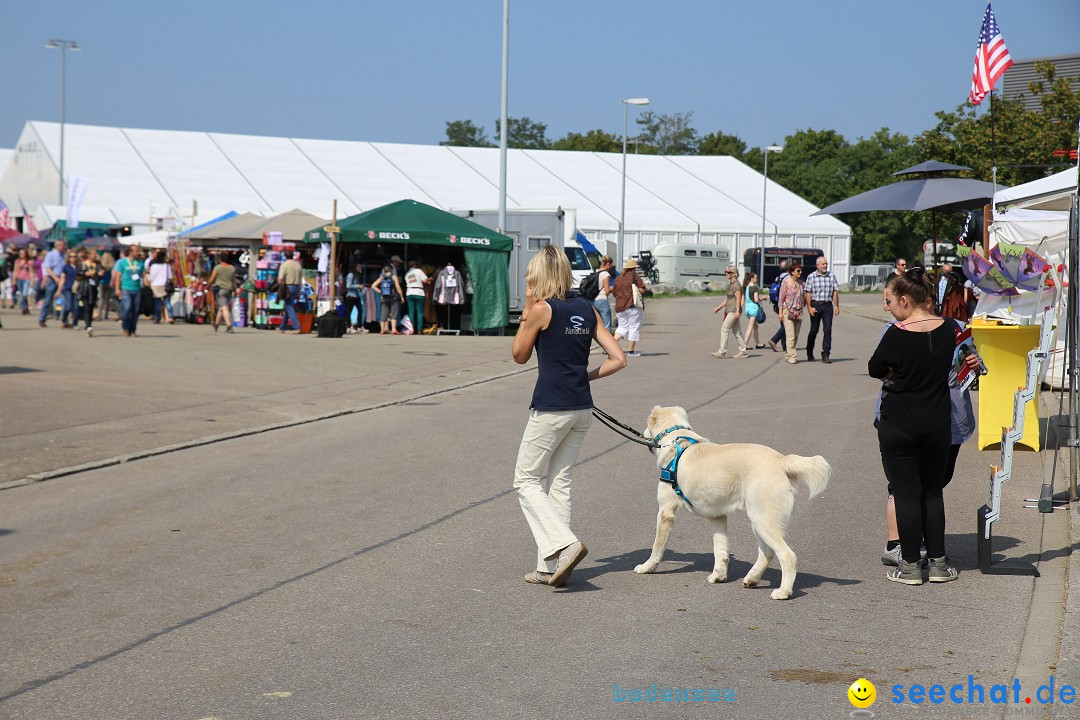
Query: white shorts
{"type": "Point", "coordinates": [7, 292]}
{"type": "Point", "coordinates": [630, 323]}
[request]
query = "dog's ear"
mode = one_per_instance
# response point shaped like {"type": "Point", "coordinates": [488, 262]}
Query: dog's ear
{"type": "Point", "coordinates": [681, 417]}
{"type": "Point", "coordinates": [654, 418]}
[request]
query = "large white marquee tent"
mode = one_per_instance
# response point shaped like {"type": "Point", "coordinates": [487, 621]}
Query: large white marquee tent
{"type": "Point", "coordinates": [134, 175]}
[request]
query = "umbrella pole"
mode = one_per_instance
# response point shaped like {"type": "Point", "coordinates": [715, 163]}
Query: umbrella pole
{"type": "Point", "coordinates": [933, 234]}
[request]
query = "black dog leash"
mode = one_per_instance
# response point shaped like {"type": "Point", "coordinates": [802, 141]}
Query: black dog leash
{"type": "Point", "coordinates": [618, 427]}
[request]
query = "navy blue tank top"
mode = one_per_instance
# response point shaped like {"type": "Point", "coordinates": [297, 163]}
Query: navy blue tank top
{"type": "Point", "coordinates": [562, 350]}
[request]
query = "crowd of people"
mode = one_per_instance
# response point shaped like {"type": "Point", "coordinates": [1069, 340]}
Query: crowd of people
{"type": "Point", "coordinates": [85, 284]}
{"type": "Point", "coordinates": [923, 414]}
{"type": "Point", "coordinates": [817, 295]}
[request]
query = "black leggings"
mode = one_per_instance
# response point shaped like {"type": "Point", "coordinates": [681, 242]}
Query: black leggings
{"type": "Point", "coordinates": [350, 303]}
{"type": "Point", "coordinates": [915, 465]}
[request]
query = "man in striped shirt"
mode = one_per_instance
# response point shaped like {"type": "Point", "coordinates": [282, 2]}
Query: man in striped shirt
{"type": "Point", "coordinates": [822, 302]}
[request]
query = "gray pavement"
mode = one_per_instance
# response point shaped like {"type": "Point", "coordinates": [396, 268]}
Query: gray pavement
{"type": "Point", "coordinates": [369, 565]}
{"type": "Point", "coordinates": [78, 402]}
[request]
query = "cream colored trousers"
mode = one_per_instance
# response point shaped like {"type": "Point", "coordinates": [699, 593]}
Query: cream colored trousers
{"type": "Point", "coordinates": [791, 328]}
{"type": "Point", "coordinates": [545, 463]}
{"type": "Point", "coordinates": [731, 325]}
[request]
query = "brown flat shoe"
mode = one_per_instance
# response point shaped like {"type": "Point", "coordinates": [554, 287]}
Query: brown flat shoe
{"type": "Point", "coordinates": [569, 557]}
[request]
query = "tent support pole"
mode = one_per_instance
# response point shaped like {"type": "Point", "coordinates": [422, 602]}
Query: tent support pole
{"type": "Point", "coordinates": [333, 257]}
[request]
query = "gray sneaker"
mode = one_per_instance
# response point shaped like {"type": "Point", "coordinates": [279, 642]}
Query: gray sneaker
{"type": "Point", "coordinates": [569, 557]}
{"type": "Point", "coordinates": [941, 571]}
{"type": "Point", "coordinates": [891, 557]}
{"type": "Point", "coordinates": [538, 578]}
{"type": "Point", "coordinates": [906, 573]}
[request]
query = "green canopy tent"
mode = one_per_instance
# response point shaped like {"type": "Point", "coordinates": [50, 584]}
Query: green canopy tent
{"type": "Point", "coordinates": [487, 253]}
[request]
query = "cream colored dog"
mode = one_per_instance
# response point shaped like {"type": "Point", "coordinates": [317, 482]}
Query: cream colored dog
{"type": "Point", "coordinates": [719, 479]}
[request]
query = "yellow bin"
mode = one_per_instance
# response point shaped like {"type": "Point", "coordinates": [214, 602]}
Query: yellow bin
{"type": "Point", "coordinates": [1004, 349]}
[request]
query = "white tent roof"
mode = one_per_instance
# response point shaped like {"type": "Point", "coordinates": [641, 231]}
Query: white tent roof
{"type": "Point", "coordinates": [128, 170]}
{"type": "Point", "coordinates": [1035, 213]}
{"type": "Point", "coordinates": [156, 239]}
{"type": "Point", "coordinates": [5, 159]}
{"type": "Point", "coordinates": [1048, 193]}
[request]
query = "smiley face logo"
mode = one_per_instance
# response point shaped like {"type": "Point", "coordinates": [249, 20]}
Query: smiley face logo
{"type": "Point", "coordinates": [862, 693]}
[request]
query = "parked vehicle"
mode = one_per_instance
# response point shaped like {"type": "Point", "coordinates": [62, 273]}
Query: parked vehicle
{"type": "Point", "coordinates": [679, 263]}
{"type": "Point", "coordinates": [806, 257]}
{"type": "Point", "coordinates": [531, 230]}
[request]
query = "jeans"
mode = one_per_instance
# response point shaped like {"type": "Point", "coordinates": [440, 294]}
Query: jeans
{"type": "Point", "coordinates": [23, 288]}
{"type": "Point", "coordinates": [780, 336]}
{"type": "Point", "coordinates": [160, 304]}
{"type": "Point", "coordinates": [129, 309]}
{"type": "Point", "coordinates": [545, 464]}
{"type": "Point", "coordinates": [823, 315]}
{"type": "Point", "coordinates": [290, 308]}
{"type": "Point", "coordinates": [604, 308]}
{"type": "Point", "coordinates": [416, 312]}
{"type": "Point", "coordinates": [69, 315]}
{"type": "Point", "coordinates": [47, 301]}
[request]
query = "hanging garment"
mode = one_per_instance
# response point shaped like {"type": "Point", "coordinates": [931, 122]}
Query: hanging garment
{"type": "Point", "coordinates": [450, 287]}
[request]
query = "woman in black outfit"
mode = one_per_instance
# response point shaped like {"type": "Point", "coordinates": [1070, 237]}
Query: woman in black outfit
{"type": "Point", "coordinates": [914, 436]}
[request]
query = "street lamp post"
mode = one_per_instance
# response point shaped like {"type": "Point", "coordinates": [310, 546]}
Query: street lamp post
{"type": "Point", "coordinates": [622, 208]}
{"type": "Point", "coordinates": [64, 46]}
{"type": "Point", "coordinates": [764, 196]}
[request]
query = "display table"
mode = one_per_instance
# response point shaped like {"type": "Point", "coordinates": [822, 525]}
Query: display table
{"type": "Point", "coordinates": [1004, 349]}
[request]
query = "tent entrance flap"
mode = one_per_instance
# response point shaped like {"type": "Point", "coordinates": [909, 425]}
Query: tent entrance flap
{"type": "Point", "coordinates": [491, 294]}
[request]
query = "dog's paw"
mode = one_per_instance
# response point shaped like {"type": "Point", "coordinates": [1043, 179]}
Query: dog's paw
{"type": "Point", "coordinates": [780, 594]}
{"type": "Point", "coordinates": [748, 583]}
{"type": "Point", "coordinates": [717, 577]}
{"type": "Point", "coordinates": [645, 568]}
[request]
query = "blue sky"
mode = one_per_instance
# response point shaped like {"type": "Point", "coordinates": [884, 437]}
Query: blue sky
{"type": "Point", "coordinates": [397, 70]}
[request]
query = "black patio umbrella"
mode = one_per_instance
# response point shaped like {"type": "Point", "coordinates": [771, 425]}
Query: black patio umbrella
{"type": "Point", "coordinates": [101, 242]}
{"type": "Point", "coordinates": [931, 189]}
{"type": "Point", "coordinates": [21, 241]}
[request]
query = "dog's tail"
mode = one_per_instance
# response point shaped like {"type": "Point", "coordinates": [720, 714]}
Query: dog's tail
{"type": "Point", "coordinates": [813, 471]}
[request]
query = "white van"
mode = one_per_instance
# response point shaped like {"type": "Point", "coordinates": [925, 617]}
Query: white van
{"type": "Point", "coordinates": [678, 263]}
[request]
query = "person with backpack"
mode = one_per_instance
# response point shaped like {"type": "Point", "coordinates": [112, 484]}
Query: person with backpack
{"type": "Point", "coordinates": [752, 309]}
{"type": "Point", "coordinates": [597, 288]}
{"type": "Point", "coordinates": [780, 336]}
{"type": "Point", "coordinates": [389, 288]}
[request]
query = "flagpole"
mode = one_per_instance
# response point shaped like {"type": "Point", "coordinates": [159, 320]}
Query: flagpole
{"type": "Point", "coordinates": [993, 144]}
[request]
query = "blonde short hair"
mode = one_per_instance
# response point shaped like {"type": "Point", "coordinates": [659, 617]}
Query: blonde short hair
{"type": "Point", "coordinates": [549, 274]}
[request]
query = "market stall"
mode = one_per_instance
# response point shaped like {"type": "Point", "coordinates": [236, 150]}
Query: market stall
{"type": "Point", "coordinates": [408, 229]}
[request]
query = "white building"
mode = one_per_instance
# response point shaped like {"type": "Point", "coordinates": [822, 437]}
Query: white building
{"type": "Point", "coordinates": [139, 176]}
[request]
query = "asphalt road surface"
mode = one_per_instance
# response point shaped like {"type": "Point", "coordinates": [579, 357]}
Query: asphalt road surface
{"type": "Point", "coordinates": [370, 565]}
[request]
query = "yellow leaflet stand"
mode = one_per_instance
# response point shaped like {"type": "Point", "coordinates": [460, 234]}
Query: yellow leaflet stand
{"type": "Point", "coordinates": [1004, 349]}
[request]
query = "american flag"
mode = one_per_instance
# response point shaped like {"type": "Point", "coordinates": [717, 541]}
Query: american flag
{"type": "Point", "coordinates": [28, 223]}
{"type": "Point", "coordinates": [992, 58]}
{"type": "Point", "coordinates": [4, 215]}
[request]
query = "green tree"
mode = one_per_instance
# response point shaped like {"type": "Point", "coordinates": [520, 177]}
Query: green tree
{"type": "Point", "coordinates": [719, 143]}
{"type": "Point", "coordinates": [524, 133]}
{"type": "Point", "coordinates": [465, 133]}
{"type": "Point", "coordinates": [592, 141]}
{"type": "Point", "coordinates": [1021, 143]}
{"type": "Point", "coordinates": [667, 134]}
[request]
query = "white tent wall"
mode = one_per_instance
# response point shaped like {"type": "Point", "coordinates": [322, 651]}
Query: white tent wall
{"type": "Point", "coordinates": [32, 177]}
{"type": "Point", "coordinates": [714, 200]}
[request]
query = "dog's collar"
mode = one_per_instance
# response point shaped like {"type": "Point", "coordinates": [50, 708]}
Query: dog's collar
{"type": "Point", "coordinates": [673, 428]}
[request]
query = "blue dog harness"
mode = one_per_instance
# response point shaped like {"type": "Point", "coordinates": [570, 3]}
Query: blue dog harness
{"type": "Point", "coordinates": [670, 472]}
